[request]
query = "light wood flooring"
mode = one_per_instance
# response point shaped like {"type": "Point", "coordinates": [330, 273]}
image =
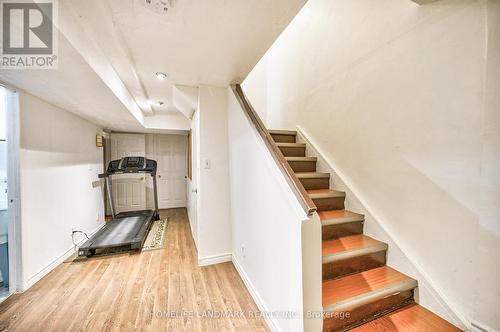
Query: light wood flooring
{"type": "Point", "coordinates": [137, 292]}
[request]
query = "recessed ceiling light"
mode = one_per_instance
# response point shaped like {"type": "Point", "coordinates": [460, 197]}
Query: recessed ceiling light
{"type": "Point", "coordinates": [161, 76]}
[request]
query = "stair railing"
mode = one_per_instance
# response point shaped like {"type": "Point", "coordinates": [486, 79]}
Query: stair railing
{"type": "Point", "coordinates": [292, 180]}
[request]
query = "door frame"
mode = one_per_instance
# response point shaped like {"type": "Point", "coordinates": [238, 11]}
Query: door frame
{"type": "Point", "coordinates": [14, 189]}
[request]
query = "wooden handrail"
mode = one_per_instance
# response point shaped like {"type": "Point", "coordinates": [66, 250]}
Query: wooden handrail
{"type": "Point", "coordinates": [294, 183]}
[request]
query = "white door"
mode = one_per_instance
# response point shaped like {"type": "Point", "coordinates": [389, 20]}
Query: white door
{"type": "Point", "coordinates": [171, 155]}
{"type": "Point", "coordinates": [129, 190]}
{"type": "Point", "coordinates": [193, 182]}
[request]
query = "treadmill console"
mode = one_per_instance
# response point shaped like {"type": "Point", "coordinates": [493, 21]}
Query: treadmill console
{"type": "Point", "coordinates": [131, 165]}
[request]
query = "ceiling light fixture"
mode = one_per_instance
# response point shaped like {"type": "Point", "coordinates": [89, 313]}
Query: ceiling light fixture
{"type": "Point", "coordinates": [161, 76]}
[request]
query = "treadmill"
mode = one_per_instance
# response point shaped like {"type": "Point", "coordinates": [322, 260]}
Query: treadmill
{"type": "Point", "coordinates": [127, 230]}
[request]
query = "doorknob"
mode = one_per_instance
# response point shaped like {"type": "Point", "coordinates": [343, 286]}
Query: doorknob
{"type": "Point", "coordinates": [142, 178]}
{"type": "Point", "coordinates": [194, 191]}
{"type": "Point", "coordinates": [159, 176]}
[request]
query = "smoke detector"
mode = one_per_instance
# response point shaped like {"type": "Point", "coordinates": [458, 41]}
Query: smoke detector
{"type": "Point", "coordinates": [158, 6]}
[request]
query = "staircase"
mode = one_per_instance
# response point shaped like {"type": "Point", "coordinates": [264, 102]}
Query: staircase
{"type": "Point", "coordinates": [360, 292]}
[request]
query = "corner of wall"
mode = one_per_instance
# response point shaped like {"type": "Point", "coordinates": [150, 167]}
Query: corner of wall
{"type": "Point", "coordinates": [214, 259]}
{"type": "Point", "coordinates": [312, 273]}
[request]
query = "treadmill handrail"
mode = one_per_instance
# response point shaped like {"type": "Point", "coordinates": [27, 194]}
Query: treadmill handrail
{"type": "Point", "coordinates": [105, 175]}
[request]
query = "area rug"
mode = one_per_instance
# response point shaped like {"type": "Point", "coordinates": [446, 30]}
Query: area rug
{"type": "Point", "coordinates": [154, 241]}
{"type": "Point", "coordinates": [156, 237]}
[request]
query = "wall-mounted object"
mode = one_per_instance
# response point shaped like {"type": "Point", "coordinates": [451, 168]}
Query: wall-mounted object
{"type": "Point", "coordinates": [99, 141]}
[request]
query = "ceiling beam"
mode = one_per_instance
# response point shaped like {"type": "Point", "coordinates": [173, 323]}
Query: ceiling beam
{"type": "Point", "coordinates": [94, 19]}
{"type": "Point", "coordinates": [70, 26]}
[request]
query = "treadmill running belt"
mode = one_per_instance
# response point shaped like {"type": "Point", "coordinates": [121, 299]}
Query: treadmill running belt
{"type": "Point", "coordinates": [119, 232]}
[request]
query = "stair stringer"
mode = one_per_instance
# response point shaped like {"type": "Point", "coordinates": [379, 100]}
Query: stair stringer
{"type": "Point", "coordinates": [428, 294]}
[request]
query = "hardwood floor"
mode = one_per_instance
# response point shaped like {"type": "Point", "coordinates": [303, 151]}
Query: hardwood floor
{"type": "Point", "coordinates": [155, 290]}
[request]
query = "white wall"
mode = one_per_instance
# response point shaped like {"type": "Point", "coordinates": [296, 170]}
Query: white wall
{"type": "Point", "coordinates": [487, 268]}
{"type": "Point", "coordinates": [393, 93]}
{"type": "Point", "coordinates": [213, 217]}
{"type": "Point", "coordinates": [59, 162]}
{"type": "Point", "coordinates": [266, 224]}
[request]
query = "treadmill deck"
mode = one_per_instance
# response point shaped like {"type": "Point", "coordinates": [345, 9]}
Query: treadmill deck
{"type": "Point", "coordinates": [127, 229]}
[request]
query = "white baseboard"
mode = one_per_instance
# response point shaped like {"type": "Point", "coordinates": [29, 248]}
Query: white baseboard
{"type": "Point", "coordinates": [480, 327]}
{"type": "Point", "coordinates": [255, 295]}
{"type": "Point", "coordinates": [215, 259]}
{"type": "Point", "coordinates": [52, 265]}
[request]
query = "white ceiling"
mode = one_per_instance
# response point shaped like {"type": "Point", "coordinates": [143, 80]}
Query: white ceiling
{"type": "Point", "coordinates": [109, 51]}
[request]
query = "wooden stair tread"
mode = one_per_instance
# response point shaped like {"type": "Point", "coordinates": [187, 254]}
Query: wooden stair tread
{"type": "Point", "coordinates": [282, 132]}
{"type": "Point", "coordinates": [349, 246]}
{"type": "Point", "coordinates": [412, 318]}
{"type": "Point", "coordinates": [324, 193]}
{"type": "Point", "coordinates": [291, 145]}
{"type": "Point", "coordinates": [333, 217]}
{"type": "Point", "coordinates": [368, 294]}
{"type": "Point", "coordinates": [312, 175]}
{"type": "Point", "coordinates": [365, 286]}
{"type": "Point", "coordinates": [301, 159]}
